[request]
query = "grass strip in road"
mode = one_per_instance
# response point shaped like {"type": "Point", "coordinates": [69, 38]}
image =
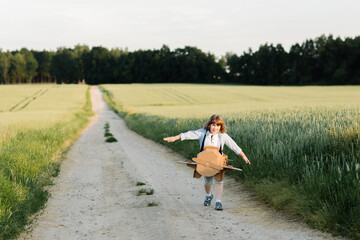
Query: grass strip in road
{"type": "Point", "coordinates": [109, 137]}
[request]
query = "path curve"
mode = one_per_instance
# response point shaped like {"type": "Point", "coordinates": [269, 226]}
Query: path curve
{"type": "Point", "coordinates": [95, 194]}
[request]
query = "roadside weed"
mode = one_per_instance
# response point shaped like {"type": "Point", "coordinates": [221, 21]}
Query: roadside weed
{"type": "Point", "coordinates": [153, 204]}
{"type": "Point", "coordinates": [144, 191]}
{"type": "Point", "coordinates": [140, 183]}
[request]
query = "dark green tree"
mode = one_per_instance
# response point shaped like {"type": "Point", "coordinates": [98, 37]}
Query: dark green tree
{"type": "Point", "coordinates": [65, 67]}
{"type": "Point", "coordinates": [352, 47]}
{"type": "Point", "coordinates": [17, 70]}
{"type": "Point", "coordinates": [97, 65]}
{"type": "Point", "coordinates": [30, 65]}
{"type": "Point", "coordinates": [43, 70]}
{"type": "Point", "coordinates": [4, 67]}
{"type": "Point", "coordinates": [79, 52]}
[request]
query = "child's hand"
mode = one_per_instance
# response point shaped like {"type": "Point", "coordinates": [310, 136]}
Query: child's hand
{"type": "Point", "coordinates": [171, 139]}
{"type": "Point", "coordinates": [242, 154]}
{"type": "Point", "coordinates": [247, 160]}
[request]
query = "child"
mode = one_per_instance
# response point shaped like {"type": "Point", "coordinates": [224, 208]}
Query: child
{"type": "Point", "coordinates": [213, 134]}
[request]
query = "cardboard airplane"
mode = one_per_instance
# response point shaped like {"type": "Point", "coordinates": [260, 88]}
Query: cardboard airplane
{"type": "Point", "coordinates": [210, 163]}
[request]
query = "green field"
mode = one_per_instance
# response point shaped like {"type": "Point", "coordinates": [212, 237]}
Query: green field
{"type": "Point", "coordinates": [37, 106]}
{"type": "Point", "coordinates": [303, 142]}
{"type": "Point", "coordinates": [37, 124]}
{"type": "Point", "coordinates": [195, 101]}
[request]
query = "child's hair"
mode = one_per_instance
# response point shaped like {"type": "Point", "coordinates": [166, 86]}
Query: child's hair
{"type": "Point", "coordinates": [217, 120]}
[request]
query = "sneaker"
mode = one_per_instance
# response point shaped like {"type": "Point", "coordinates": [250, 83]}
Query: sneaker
{"type": "Point", "coordinates": [207, 201]}
{"type": "Point", "coordinates": [218, 206]}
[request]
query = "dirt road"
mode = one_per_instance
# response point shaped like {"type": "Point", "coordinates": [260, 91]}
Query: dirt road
{"type": "Point", "coordinates": [95, 195]}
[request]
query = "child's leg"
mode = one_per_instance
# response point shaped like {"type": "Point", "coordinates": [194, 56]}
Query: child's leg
{"type": "Point", "coordinates": [219, 191]}
{"type": "Point", "coordinates": [208, 181]}
{"type": "Point", "coordinates": [207, 186]}
{"type": "Point", "coordinates": [207, 189]}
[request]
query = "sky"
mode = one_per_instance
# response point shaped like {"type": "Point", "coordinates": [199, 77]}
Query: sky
{"type": "Point", "coordinates": [217, 27]}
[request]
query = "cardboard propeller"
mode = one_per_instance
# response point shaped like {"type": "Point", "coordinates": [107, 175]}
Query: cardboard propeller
{"type": "Point", "coordinates": [210, 163]}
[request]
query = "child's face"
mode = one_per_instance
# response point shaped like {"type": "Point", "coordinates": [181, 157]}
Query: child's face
{"type": "Point", "coordinates": [214, 128]}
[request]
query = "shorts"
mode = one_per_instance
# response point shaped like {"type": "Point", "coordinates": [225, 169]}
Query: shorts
{"type": "Point", "coordinates": [208, 181]}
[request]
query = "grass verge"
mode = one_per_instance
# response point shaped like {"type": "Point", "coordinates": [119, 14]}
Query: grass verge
{"type": "Point", "coordinates": [28, 161]}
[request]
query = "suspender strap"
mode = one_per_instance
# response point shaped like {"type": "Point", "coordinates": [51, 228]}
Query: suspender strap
{"type": "Point", "coordinates": [203, 142]}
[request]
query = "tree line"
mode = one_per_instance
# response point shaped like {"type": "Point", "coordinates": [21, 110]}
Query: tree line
{"type": "Point", "coordinates": [324, 61]}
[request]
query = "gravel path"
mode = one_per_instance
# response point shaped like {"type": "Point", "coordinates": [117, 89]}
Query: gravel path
{"type": "Point", "coordinates": [95, 195]}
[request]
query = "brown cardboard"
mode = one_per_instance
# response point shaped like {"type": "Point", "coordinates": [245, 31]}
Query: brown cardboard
{"type": "Point", "coordinates": [210, 163]}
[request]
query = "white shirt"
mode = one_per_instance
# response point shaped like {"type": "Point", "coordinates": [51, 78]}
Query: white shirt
{"type": "Point", "coordinates": [211, 140]}
{"type": "Point", "coordinates": [218, 140]}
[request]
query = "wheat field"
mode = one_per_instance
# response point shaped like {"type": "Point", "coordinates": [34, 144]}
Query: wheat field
{"type": "Point", "coordinates": [303, 142]}
{"type": "Point", "coordinates": [199, 100]}
{"type": "Point", "coordinates": [37, 106]}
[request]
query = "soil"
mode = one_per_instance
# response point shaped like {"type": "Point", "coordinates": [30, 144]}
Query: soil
{"type": "Point", "coordinates": [95, 195]}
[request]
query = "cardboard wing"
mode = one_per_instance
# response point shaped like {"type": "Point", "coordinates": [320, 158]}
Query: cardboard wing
{"type": "Point", "coordinates": [209, 163]}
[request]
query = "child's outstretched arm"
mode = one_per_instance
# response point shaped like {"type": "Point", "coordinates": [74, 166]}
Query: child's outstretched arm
{"type": "Point", "coordinates": [242, 154]}
{"type": "Point", "coordinates": [172, 139]}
